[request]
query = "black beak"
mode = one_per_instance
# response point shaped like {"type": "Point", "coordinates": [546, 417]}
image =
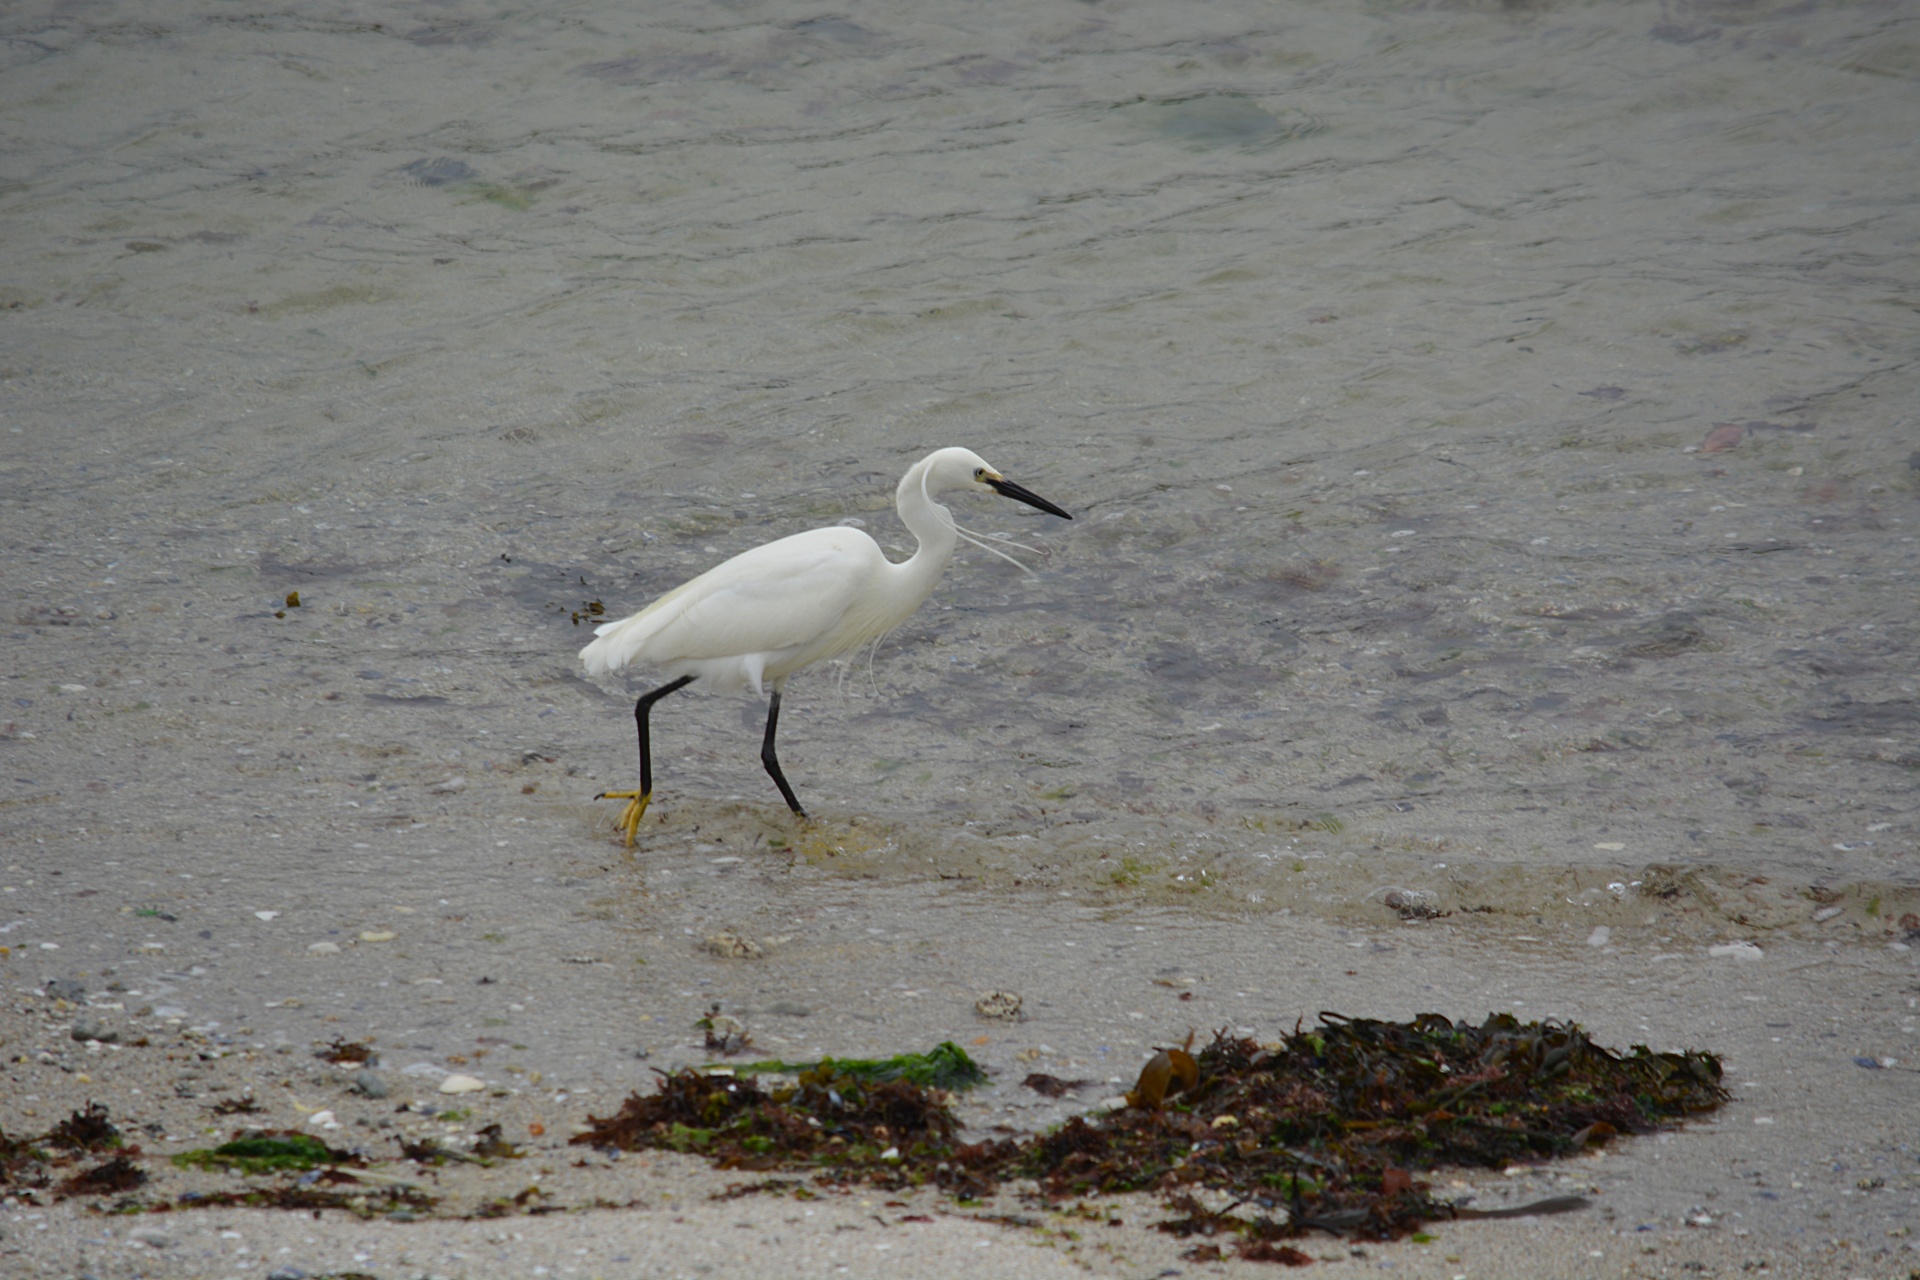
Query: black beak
{"type": "Point", "coordinates": [1008, 489]}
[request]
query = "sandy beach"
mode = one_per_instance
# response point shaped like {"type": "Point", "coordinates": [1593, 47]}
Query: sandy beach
{"type": "Point", "coordinates": [1490, 438]}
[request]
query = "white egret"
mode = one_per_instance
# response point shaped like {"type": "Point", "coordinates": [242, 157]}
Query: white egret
{"type": "Point", "coordinates": [766, 613]}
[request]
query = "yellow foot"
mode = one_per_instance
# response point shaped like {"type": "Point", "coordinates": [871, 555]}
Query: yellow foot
{"type": "Point", "coordinates": [630, 816]}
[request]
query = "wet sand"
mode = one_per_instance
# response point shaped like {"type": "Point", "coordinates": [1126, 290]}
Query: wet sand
{"type": "Point", "coordinates": [1490, 444]}
{"type": "Point", "coordinates": [1808, 1170]}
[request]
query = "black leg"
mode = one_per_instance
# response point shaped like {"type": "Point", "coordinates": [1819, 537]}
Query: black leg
{"type": "Point", "coordinates": [769, 759]}
{"type": "Point", "coordinates": [637, 800]}
{"type": "Point", "coordinates": [641, 709]}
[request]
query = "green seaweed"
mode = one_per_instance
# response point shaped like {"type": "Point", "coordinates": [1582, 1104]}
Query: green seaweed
{"type": "Point", "coordinates": [945, 1066]}
{"type": "Point", "coordinates": [264, 1153]}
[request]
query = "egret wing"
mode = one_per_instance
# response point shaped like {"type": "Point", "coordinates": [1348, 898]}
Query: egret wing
{"type": "Point", "coordinates": [783, 596]}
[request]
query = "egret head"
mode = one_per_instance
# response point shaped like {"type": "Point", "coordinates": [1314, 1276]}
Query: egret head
{"type": "Point", "coordinates": [964, 469]}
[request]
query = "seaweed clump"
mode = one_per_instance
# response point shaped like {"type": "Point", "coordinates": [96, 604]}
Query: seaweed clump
{"type": "Point", "coordinates": [310, 1175]}
{"type": "Point", "coordinates": [1331, 1124]}
{"type": "Point", "coordinates": [327, 1177]}
{"type": "Point", "coordinates": [88, 1130]}
{"type": "Point", "coordinates": [848, 1127]}
{"type": "Point", "coordinates": [109, 1177]}
{"type": "Point", "coordinates": [302, 1196]}
{"type": "Point", "coordinates": [27, 1164]}
{"type": "Point", "coordinates": [884, 1121]}
{"type": "Point", "coordinates": [258, 1151]}
{"type": "Point", "coordinates": [945, 1066]}
{"type": "Point", "coordinates": [1324, 1130]}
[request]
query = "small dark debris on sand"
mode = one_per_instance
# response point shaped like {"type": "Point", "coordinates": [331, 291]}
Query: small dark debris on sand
{"type": "Point", "coordinates": [345, 1053]}
{"type": "Point", "coordinates": [1052, 1086]}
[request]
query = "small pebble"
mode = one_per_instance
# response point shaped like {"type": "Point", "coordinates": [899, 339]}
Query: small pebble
{"type": "Point", "coordinates": [1725, 435]}
{"type": "Point", "coordinates": [1600, 936]}
{"type": "Point", "coordinates": [1411, 904]}
{"type": "Point", "coordinates": [86, 1028]}
{"type": "Point", "coordinates": [462, 1084]}
{"type": "Point", "coordinates": [448, 787]}
{"type": "Point", "coordinates": [66, 989]}
{"type": "Point", "coordinates": [1825, 914]}
{"type": "Point", "coordinates": [732, 946]}
{"type": "Point", "coordinates": [325, 948]}
{"type": "Point", "coordinates": [726, 1034]}
{"type": "Point", "coordinates": [789, 1009]}
{"type": "Point", "coordinates": [378, 935]}
{"type": "Point", "coordinates": [1736, 951]}
{"type": "Point", "coordinates": [370, 1084]}
{"type": "Point", "coordinates": [1002, 1005]}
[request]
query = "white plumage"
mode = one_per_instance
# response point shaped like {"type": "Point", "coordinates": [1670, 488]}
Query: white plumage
{"type": "Point", "coordinates": [759, 617]}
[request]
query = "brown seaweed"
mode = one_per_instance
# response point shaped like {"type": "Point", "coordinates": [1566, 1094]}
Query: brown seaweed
{"type": "Point", "coordinates": [87, 1130]}
{"type": "Point", "coordinates": [1329, 1129]}
{"type": "Point", "coordinates": [1325, 1130]}
{"type": "Point", "coordinates": [849, 1128]}
{"type": "Point", "coordinates": [364, 1203]}
{"type": "Point", "coordinates": [106, 1178]}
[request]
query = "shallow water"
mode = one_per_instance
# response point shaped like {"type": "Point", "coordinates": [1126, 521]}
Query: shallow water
{"type": "Point", "coordinates": [1375, 348]}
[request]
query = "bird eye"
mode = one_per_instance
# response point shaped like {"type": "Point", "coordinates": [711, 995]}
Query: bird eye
{"type": "Point", "coordinates": [979, 473]}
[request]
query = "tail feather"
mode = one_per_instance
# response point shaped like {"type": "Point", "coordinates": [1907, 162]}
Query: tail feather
{"type": "Point", "coordinates": [615, 644]}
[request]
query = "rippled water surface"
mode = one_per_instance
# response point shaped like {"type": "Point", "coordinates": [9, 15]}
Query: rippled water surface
{"type": "Point", "coordinates": [1385, 355]}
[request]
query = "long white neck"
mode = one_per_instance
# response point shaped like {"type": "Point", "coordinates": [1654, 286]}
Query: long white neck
{"type": "Point", "coordinates": [932, 524]}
